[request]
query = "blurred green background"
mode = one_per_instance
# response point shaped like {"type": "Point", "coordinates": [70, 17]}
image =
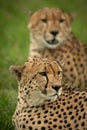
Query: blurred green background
{"type": "Point", "coordinates": [14, 43]}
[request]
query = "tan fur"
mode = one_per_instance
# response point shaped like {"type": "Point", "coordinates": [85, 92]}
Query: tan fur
{"type": "Point", "coordinates": [51, 37]}
{"type": "Point", "coordinates": [43, 106]}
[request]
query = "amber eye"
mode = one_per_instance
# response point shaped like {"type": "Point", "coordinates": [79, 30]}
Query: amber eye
{"type": "Point", "coordinates": [43, 73]}
{"type": "Point", "coordinates": [62, 20]}
{"type": "Point", "coordinates": [59, 73]}
{"type": "Point", "coordinates": [44, 20]}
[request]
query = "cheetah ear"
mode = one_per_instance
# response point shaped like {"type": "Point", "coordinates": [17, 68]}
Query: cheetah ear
{"type": "Point", "coordinates": [17, 70]}
{"type": "Point", "coordinates": [72, 16]}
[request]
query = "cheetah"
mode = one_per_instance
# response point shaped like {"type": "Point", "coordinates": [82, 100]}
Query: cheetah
{"type": "Point", "coordinates": [42, 104]}
{"type": "Point", "coordinates": [51, 36]}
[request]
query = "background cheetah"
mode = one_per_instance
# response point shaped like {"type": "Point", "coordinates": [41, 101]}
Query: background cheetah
{"type": "Point", "coordinates": [41, 103]}
{"type": "Point", "coordinates": [51, 37]}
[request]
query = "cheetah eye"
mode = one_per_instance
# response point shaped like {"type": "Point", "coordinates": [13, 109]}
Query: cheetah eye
{"type": "Point", "coordinates": [62, 20]}
{"type": "Point", "coordinates": [59, 73]}
{"type": "Point", "coordinates": [44, 20]}
{"type": "Point", "coordinates": [43, 73]}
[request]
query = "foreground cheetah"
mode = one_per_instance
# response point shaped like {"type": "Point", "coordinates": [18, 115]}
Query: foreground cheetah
{"type": "Point", "coordinates": [42, 104]}
{"type": "Point", "coordinates": [51, 36]}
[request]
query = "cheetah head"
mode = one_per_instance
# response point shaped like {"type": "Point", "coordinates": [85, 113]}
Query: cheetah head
{"type": "Point", "coordinates": [39, 80]}
{"type": "Point", "coordinates": [49, 27]}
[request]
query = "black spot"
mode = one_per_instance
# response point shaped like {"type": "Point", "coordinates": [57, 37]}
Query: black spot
{"type": "Point", "coordinates": [58, 106]}
{"type": "Point", "coordinates": [60, 127]}
{"type": "Point", "coordinates": [84, 115]}
{"type": "Point", "coordinates": [71, 106]}
{"type": "Point", "coordinates": [85, 99]}
{"type": "Point", "coordinates": [68, 125]}
{"type": "Point", "coordinates": [43, 128]}
{"type": "Point", "coordinates": [24, 110]}
{"type": "Point", "coordinates": [23, 127]}
{"type": "Point", "coordinates": [72, 117]}
{"type": "Point", "coordinates": [68, 62]}
{"type": "Point", "coordinates": [80, 97]}
{"type": "Point", "coordinates": [59, 116]}
{"type": "Point", "coordinates": [64, 103]}
{"type": "Point", "coordinates": [29, 111]}
{"type": "Point", "coordinates": [54, 108]}
{"type": "Point", "coordinates": [68, 102]}
{"type": "Point", "coordinates": [38, 114]}
{"type": "Point", "coordinates": [81, 65]}
{"type": "Point", "coordinates": [55, 120]}
{"type": "Point", "coordinates": [70, 113]}
{"type": "Point", "coordinates": [83, 123]}
{"type": "Point", "coordinates": [50, 122]}
{"type": "Point", "coordinates": [67, 108]}
{"type": "Point", "coordinates": [33, 122]}
{"type": "Point", "coordinates": [64, 113]}
{"type": "Point", "coordinates": [44, 116]}
{"type": "Point", "coordinates": [31, 119]}
{"type": "Point", "coordinates": [51, 114]}
{"type": "Point", "coordinates": [36, 111]}
{"type": "Point", "coordinates": [51, 106]}
{"type": "Point", "coordinates": [72, 75]}
{"type": "Point", "coordinates": [26, 122]}
{"type": "Point", "coordinates": [74, 59]}
{"type": "Point", "coordinates": [75, 107]}
{"type": "Point", "coordinates": [77, 93]}
{"type": "Point", "coordinates": [70, 128]}
{"type": "Point", "coordinates": [71, 69]}
{"type": "Point", "coordinates": [45, 121]}
{"type": "Point", "coordinates": [75, 100]}
{"type": "Point", "coordinates": [29, 115]}
{"type": "Point", "coordinates": [76, 113]}
{"type": "Point", "coordinates": [80, 103]}
{"type": "Point", "coordinates": [54, 126]}
{"type": "Point", "coordinates": [30, 128]}
{"type": "Point", "coordinates": [62, 109]}
{"type": "Point", "coordinates": [57, 112]}
{"type": "Point", "coordinates": [16, 113]}
{"type": "Point", "coordinates": [65, 121]}
{"type": "Point", "coordinates": [24, 119]}
{"type": "Point", "coordinates": [75, 121]}
{"type": "Point", "coordinates": [79, 118]}
{"type": "Point", "coordinates": [82, 109]}
{"type": "Point", "coordinates": [39, 122]}
{"type": "Point", "coordinates": [46, 112]}
{"type": "Point", "coordinates": [70, 97]}
{"type": "Point", "coordinates": [76, 125]}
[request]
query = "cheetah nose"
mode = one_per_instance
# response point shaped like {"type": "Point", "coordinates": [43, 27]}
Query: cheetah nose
{"type": "Point", "coordinates": [54, 32]}
{"type": "Point", "coordinates": [56, 87]}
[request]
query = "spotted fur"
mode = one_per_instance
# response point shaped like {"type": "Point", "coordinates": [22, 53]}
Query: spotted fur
{"type": "Point", "coordinates": [51, 37]}
{"type": "Point", "coordinates": [42, 104]}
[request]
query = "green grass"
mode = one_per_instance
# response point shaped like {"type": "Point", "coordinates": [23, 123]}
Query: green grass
{"type": "Point", "coordinates": [14, 43]}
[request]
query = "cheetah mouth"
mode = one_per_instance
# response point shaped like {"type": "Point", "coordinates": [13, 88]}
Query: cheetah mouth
{"type": "Point", "coordinates": [52, 42]}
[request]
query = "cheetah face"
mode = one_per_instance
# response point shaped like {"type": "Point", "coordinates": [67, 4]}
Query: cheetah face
{"type": "Point", "coordinates": [50, 27]}
{"type": "Point", "coordinates": [39, 80]}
